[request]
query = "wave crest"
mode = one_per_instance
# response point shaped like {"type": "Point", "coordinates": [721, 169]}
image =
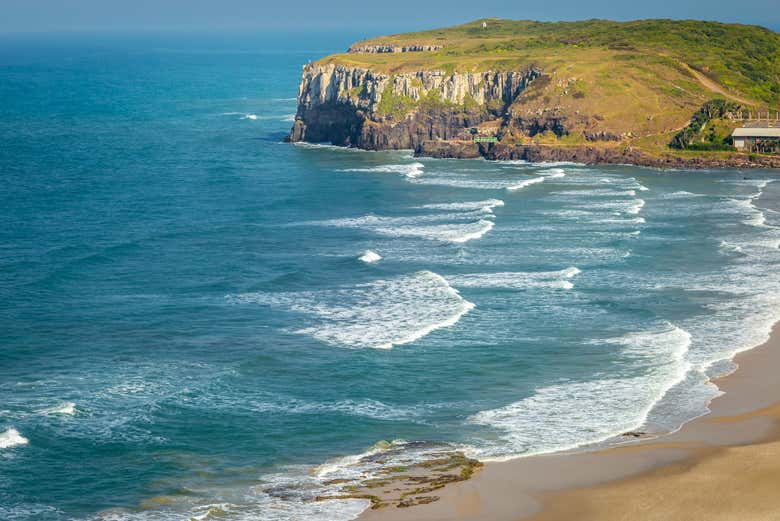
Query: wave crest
{"type": "Point", "coordinates": [12, 438]}
{"type": "Point", "coordinates": [379, 314]}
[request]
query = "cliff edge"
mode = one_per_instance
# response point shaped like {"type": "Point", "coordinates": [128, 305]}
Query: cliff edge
{"type": "Point", "coordinates": [359, 107]}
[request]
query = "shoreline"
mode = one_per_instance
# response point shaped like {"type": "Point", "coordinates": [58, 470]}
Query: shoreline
{"type": "Point", "coordinates": [588, 155]}
{"type": "Point", "coordinates": [615, 482]}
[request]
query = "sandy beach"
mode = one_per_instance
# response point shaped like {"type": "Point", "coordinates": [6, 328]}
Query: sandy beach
{"type": "Point", "coordinates": [722, 466]}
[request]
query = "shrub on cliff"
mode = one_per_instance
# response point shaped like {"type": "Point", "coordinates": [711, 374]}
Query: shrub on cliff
{"type": "Point", "coordinates": [393, 104]}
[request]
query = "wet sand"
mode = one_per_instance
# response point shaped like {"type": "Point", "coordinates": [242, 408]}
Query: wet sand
{"type": "Point", "coordinates": [722, 466]}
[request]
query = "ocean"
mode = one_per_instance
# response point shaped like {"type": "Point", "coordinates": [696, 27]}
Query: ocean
{"type": "Point", "coordinates": [199, 321]}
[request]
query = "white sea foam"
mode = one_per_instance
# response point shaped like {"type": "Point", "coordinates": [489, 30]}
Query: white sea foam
{"type": "Point", "coordinates": [211, 511]}
{"type": "Point", "coordinates": [616, 206]}
{"type": "Point", "coordinates": [448, 233]}
{"type": "Point", "coordinates": [378, 314]}
{"type": "Point", "coordinates": [680, 194]}
{"type": "Point", "coordinates": [516, 280]}
{"type": "Point", "coordinates": [757, 217]}
{"type": "Point", "coordinates": [347, 464]}
{"type": "Point", "coordinates": [290, 495]}
{"type": "Point", "coordinates": [432, 227]}
{"type": "Point", "coordinates": [462, 180]}
{"type": "Point", "coordinates": [409, 170]}
{"type": "Point", "coordinates": [553, 173]}
{"type": "Point", "coordinates": [279, 497]}
{"type": "Point", "coordinates": [636, 206]}
{"type": "Point", "coordinates": [63, 408]}
{"type": "Point", "coordinates": [594, 192]}
{"type": "Point", "coordinates": [370, 257]}
{"type": "Point", "coordinates": [525, 183]}
{"type": "Point", "coordinates": [731, 248]}
{"type": "Point", "coordinates": [255, 117]}
{"type": "Point", "coordinates": [512, 162]}
{"type": "Point", "coordinates": [11, 438]}
{"type": "Point", "coordinates": [596, 217]}
{"type": "Point", "coordinates": [367, 408]}
{"type": "Point", "coordinates": [745, 207]}
{"type": "Point", "coordinates": [572, 414]}
{"type": "Point", "coordinates": [328, 146]}
{"type": "Point", "coordinates": [487, 204]}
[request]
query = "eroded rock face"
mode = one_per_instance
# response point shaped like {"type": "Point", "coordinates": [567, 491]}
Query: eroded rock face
{"type": "Point", "coordinates": [344, 105]}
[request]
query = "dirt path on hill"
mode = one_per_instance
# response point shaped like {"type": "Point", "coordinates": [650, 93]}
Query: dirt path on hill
{"type": "Point", "coordinates": [713, 86]}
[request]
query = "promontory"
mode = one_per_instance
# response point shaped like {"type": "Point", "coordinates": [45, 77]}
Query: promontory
{"type": "Point", "coordinates": [663, 93]}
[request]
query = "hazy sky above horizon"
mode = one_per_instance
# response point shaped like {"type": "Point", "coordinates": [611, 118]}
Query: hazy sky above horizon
{"type": "Point", "coordinates": [351, 15]}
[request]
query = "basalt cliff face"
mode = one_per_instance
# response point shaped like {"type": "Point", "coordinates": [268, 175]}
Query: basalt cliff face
{"type": "Point", "coordinates": [352, 106]}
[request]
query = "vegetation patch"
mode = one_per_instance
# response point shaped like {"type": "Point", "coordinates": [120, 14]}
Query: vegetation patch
{"type": "Point", "coordinates": [741, 57]}
{"type": "Point", "coordinates": [395, 105]}
{"type": "Point", "coordinates": [703, 133]}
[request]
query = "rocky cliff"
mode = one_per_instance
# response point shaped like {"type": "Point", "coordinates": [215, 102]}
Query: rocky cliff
{"type": "Point", "coordinates": [359, 107]}
{"type": "Point", "coordinates": [589, 91]}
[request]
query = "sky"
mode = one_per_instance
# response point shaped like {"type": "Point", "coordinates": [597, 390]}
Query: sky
{"type": "Point", "coordinates": [372, 16]}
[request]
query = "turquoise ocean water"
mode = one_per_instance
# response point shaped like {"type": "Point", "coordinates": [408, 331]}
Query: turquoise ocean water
{"type": "Point", "coordinates": [200, 321]}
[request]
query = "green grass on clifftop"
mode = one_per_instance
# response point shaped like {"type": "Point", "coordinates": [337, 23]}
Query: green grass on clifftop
{"type": "Point", "coordinates": [744, 59]}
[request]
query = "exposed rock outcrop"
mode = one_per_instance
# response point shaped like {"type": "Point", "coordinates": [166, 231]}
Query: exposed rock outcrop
{"type": "Point", "coordinates": [358, 107]}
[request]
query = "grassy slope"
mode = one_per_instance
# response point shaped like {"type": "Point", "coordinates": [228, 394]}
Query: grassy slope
{"type": "Point", "coordinates": [631, 78]}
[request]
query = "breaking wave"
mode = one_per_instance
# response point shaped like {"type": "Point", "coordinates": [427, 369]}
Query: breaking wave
{"type": "Point", "coordinates": [525, 183]}
{"type": "Point", "coordinates": [63, 408]}
{"type": "Point", "coordinates": [12, 438]}
{"type": "Point", "coordinates": [553, 173]}
{"type": "Point", "coordinates": [516, 280]}
{"type": "Point", "coordinates": [379, 314]}
{"type": "Point", "coordinates": [573, 414]}
{"type": "Point", "coordinates": [410, 170]}
{"type": "Point", "coordinates": [486, 205]}
{"type": "Point", "coordinates": [370, 257]}
{"type": "Point", "coordinates": [431, 227]}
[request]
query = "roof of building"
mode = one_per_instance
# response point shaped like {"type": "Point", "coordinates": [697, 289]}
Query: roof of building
{"type": "Point", "coordinates": [756, 132]}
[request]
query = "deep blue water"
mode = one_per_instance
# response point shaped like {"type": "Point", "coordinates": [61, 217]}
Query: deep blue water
{"type": "Point", "coordinates": [187, 327]}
